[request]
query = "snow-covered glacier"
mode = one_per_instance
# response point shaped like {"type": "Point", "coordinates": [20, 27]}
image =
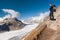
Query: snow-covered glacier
{"type": "Point", "coordinates": [18, 34]}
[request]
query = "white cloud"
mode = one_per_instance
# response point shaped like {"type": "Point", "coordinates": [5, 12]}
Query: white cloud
{"type": "Point", "coordinates": [37, 19]}
{"type": "Point", "coordinates": [14, 14]}
{"type": "Point", "coordinates": [7, 16]}
{"type": "Point", "coordinates": [11, 13]}
{"type": "Point", "coordinates": [1, 19]}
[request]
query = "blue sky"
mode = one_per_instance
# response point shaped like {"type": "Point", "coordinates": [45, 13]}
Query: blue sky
{"type": "Point", "coordinates": [27, 8]}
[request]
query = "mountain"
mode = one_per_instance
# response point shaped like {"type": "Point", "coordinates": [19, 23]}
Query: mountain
{"type": "Point", "coordinates": [51, 30]}
{"type": "Point", "coordinates": [18, 34]}
{"type": "Point", "coordinates": [10, 24]}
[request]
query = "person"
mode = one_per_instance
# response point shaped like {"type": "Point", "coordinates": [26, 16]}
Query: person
{"type": "Point", "coordinates": [52, 10]}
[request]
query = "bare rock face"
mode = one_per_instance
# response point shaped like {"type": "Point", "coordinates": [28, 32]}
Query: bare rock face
{"type": "Point", "coordinates": [52, 32]}
{"type": "Point", "coordinates": [10, 24]}
{"type": "Point", "coordinates": [15, 24]}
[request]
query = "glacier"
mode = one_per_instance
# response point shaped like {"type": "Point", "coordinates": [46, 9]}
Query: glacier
{"type": "Point", "coordinates": [18, 34]}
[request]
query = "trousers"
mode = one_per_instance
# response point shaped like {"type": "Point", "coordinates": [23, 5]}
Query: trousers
{"type": "Point", "coordinates": [51, 15]}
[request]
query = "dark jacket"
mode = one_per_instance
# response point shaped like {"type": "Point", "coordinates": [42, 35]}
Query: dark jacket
{"type": "Point", "coordinates": [52, 8]}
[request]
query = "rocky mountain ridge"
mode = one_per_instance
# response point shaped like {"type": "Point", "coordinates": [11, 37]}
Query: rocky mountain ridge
{"type": "Point", "coordinates": [51, 30]}
{"type": "Point", "coordinates": [9, 24]}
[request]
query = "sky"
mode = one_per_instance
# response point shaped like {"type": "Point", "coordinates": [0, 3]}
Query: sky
{"type": "Point", "coordinates": [26, 8]}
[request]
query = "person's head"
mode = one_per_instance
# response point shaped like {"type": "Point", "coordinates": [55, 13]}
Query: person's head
{"type": "Point", "coordinates": [50, 4]}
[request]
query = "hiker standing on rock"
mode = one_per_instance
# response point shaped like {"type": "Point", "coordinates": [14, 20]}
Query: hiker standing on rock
{"type": "Point", "coordinates": [52, 10]}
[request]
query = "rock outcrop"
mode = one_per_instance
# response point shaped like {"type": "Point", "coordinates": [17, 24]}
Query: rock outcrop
{"type": "Point", "coordinates": [10, 24]}
{"type": "Point", "coordinates": [51, 31]}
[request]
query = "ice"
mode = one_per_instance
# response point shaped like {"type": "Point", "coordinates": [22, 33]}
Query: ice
{"type": "Point", "coordinates": [12, 35]}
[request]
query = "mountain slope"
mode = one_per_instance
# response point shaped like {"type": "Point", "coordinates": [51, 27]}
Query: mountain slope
{"type": "Point", "coordinates": [50, 32]}
{"type": "Point", "coordinates": [17, 34]}
{"type": "Point", "coordinates": [9, 24]}
{"type": "Point", "coordinates": [34, 32]}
